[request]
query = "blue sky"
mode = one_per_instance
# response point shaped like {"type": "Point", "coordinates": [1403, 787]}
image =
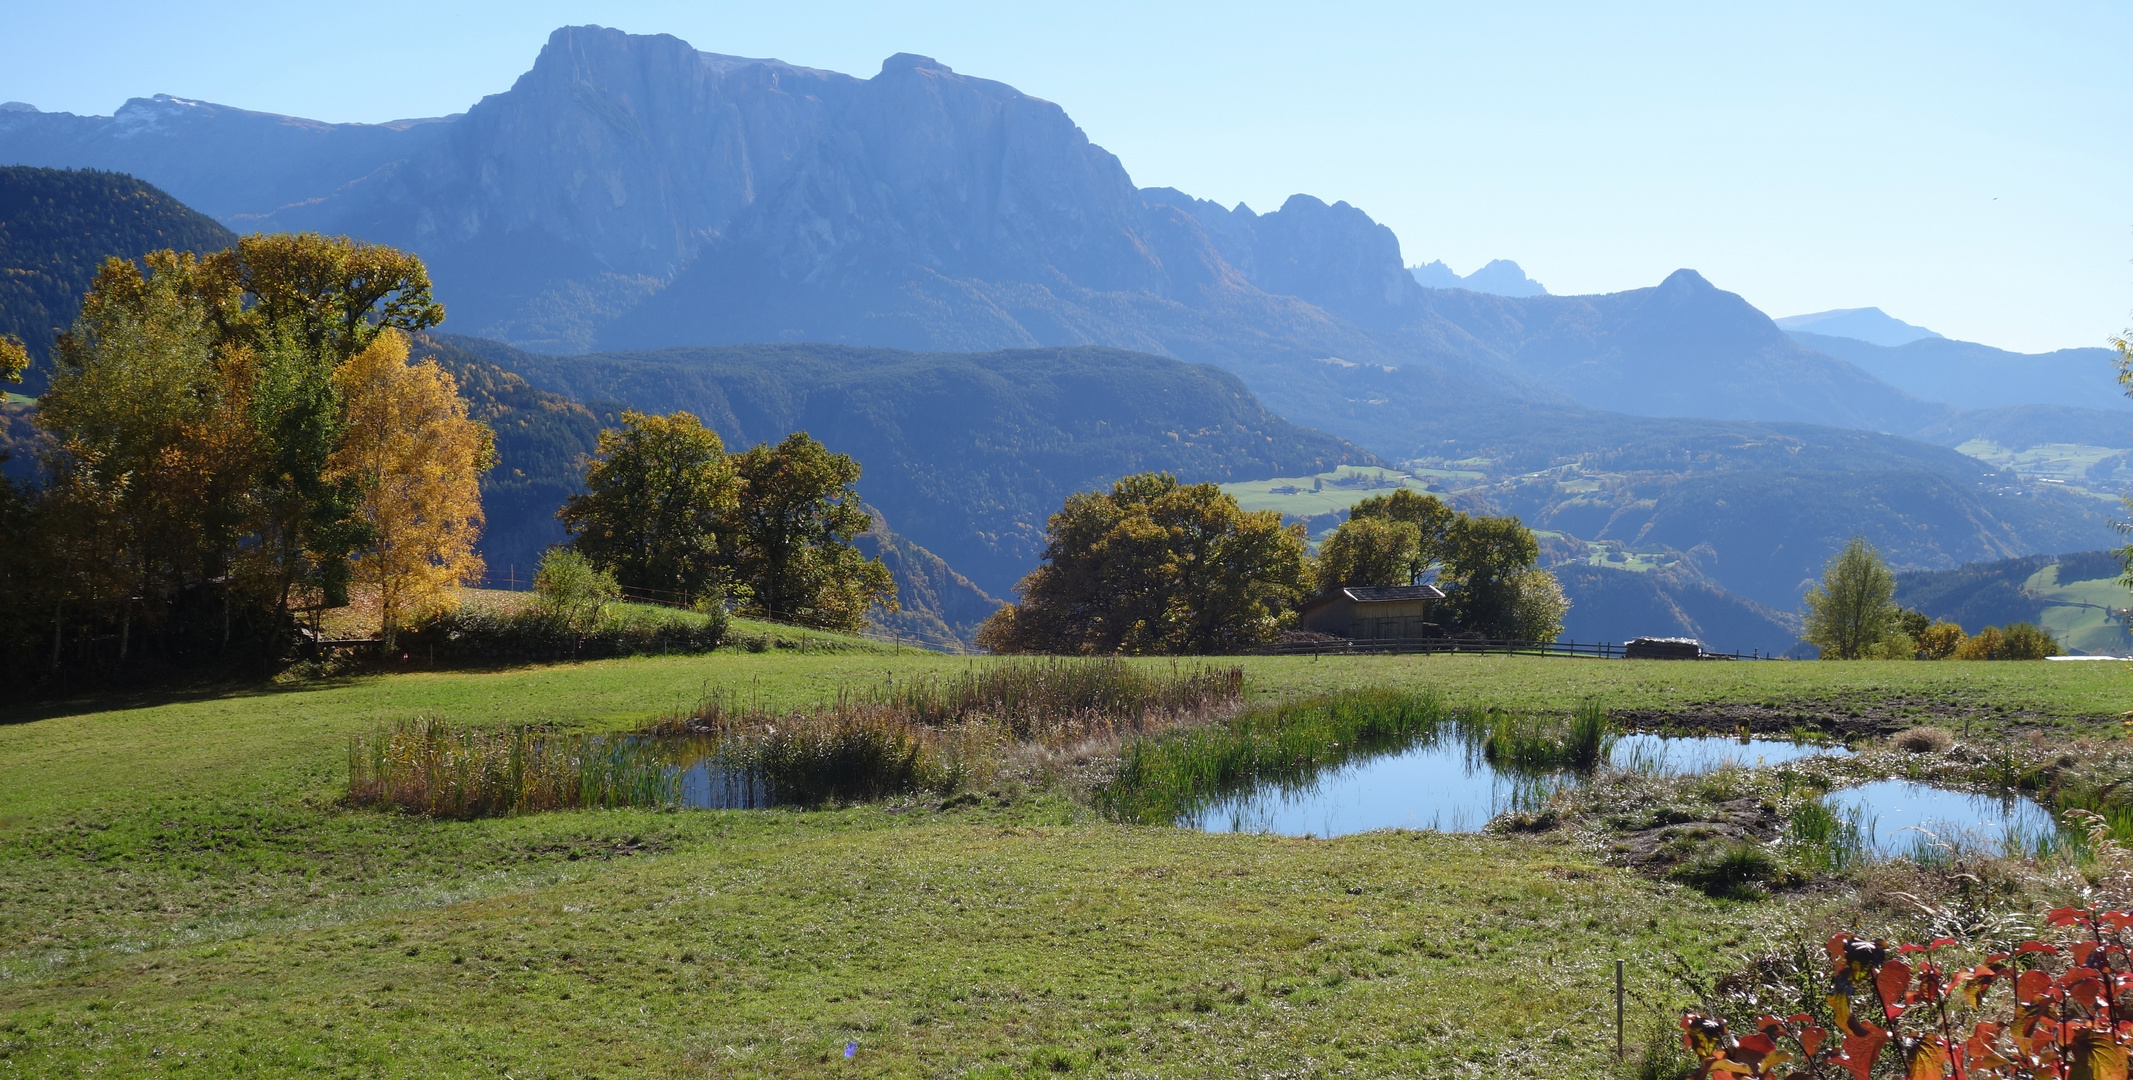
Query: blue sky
{"type": "Point", "coordinates": [1967, 168]}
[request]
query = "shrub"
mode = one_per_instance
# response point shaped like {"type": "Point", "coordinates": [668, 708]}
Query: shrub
{"type": "Point", "coordinates": [1940, 641]}
{"type": "Point", "coordinates": [2019, 641]}
{"type": "Point", "coordinates": [568, 588]}
{"type": "Point", "coordinates": [542, 634]}
{"type": "Point", "coordinates": [1950, 1008]}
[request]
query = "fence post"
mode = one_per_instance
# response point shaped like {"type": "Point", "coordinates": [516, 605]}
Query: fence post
{"type": "Point", "coordinates": [1619, 1049]}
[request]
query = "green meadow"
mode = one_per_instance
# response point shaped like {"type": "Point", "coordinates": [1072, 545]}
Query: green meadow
{"type": "Point", "coordinates": [184, 891]}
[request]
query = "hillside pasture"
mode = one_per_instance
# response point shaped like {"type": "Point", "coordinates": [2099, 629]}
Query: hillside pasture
{"type": "Point", "coordinates": [182, 885]}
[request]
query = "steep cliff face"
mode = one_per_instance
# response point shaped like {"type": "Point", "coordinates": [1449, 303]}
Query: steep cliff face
{"type": "Point", "coordinates": [631, 192]}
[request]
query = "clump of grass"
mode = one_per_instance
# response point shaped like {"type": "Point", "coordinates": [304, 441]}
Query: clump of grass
{"type": "Point", "coordinates": [1733, 872]}
{"type": "Point", "coordinates": [432, 767]}
{"type": "Point", "coordinates": [1827, 841]}
{"type": "Point", "coordinates": [1540, 743]}
{"type": "Point", "coordinates": [1163, 779]}
{"type": "Point", "coordinates": [1923, 740]}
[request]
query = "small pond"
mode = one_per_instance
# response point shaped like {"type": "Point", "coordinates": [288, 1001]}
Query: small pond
{"type": "Point", "coordinates": [1898, 817]}
{"type": "Point", "coordinates": [704, 786]}
{"type": "Point", "coordinates": [1443, 784]}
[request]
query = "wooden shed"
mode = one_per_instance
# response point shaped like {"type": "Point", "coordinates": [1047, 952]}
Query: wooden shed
{"type": "Point", "coordinates": [1373, 612]}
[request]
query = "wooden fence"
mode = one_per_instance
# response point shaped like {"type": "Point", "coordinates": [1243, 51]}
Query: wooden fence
{"type": "Point", "coordinates": [1607, 650]}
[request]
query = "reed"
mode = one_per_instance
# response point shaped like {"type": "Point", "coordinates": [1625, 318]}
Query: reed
{"type": "Point", "coordinates": [1532, 742]}
{"type": "Point", "coordinates": [1828, 841]}
{"type": "Point", "coordinates": [939, 733]}
{"type": "Point", "coordinates": [444, 770]}
{"type": "Point", "coordinates": [1050, 699]}
{"type": "Point", "coordinates": [846, 749]}
{"type": "Point", "coordinates": [1164, 778]}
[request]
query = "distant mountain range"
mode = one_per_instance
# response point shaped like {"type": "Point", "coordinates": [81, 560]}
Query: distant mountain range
{"type": "Point", "coordinates": [1501, 277]}
{"type": "Point", "coordinates": [1868, 324]}
{"type": "Point", "coordinates": [634, 219]}
{"type": "Point", "coordinates": [1973, 376]}
{"type": "Point", "coordinates": [630, 192]}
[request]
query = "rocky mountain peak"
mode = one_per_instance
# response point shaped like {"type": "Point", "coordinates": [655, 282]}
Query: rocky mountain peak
{"type": "Point", "coordinates": [904, 61]}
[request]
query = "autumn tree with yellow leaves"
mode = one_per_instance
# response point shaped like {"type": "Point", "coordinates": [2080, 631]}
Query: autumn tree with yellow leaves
{"type": "Point", "coordinates": [410, 450]}
{"type": "Point", "coordinates": [232, 438]}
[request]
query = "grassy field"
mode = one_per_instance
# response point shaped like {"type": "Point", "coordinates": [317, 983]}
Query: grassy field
{"type": "Point", "coordinates": [2078, 612]}
{"type": "Point", "coordinates": [182, 891]}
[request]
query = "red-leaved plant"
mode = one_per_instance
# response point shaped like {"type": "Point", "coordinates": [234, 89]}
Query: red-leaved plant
{"type": "Point", "coordinates": [1907, 1011]}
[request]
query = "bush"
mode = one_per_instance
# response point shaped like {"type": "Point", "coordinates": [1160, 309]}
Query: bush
{"type": "Point", "coordinates": [1951, 1008]}
{"type": "Point", "coordinates": [2019, 641]}
{"type": "Point", "coordinates": [570, 589]}
{"type": "Point", "coordinates": [1940, 641]}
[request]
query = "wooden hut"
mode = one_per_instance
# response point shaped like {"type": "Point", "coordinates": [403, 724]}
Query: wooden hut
{"type": "Point", "coordinates": [1373, 612]}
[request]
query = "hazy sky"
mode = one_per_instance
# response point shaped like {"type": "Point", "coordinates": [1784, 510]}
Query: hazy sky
{"type": "Point", "coordinates": [1964, 168]}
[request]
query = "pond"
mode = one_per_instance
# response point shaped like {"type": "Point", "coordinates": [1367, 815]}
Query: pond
{"type": "Point", "coordinates": [705, 786]}
{"type": "Point", "coordinates": [1898, 817]}
{"type": "Point", "coordinates": [1446, 785]}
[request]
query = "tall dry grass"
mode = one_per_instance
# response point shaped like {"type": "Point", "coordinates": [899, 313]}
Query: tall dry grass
{"type": "Point", "coordinates": [432, 767]}
{"type": "Point", "coordinates": [938, 734]}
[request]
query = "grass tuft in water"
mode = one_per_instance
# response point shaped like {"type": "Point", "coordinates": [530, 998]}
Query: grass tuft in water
{"type": "Point", "coordinates": [1540, 743]}
{"type": "Point", "coordinates": [1165, 778]}
{"type": "Point", "coordinates": [1827, 841]}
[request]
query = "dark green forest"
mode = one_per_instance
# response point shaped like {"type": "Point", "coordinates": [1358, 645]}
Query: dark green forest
{"type": "Point", "coordinates": [58, 225]}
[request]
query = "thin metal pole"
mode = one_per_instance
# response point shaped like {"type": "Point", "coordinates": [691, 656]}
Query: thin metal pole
{"type": "Point", "coordinates": [1619, 1051]}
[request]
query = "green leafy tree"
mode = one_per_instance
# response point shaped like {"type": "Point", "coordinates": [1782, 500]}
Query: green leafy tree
{"type": "Point", "coordinates": [1368, 551]}
{"type": "Point", "coordinates": [659, 499]}
{"type": "Point", "coordinates": [792, 549]}
{"type": "Point", "coordinates": [14, 358]}
{"type": "Point", "coordinates": [569, 588]}
{"type": "Point", "coordinates": [1484, 560]}
{"type": "Point", "coordinates": [1853, 613]}
{"type": "Point", "coordinates": [303, 304]}
{"type": "Point", "coordinates": [1154, 566]}
{"type": "Point", "coordinates": [1537, 606]}
{"type": "Point", "coordinates": [1428, 514]}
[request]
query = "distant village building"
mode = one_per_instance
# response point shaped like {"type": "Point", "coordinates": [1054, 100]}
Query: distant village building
{"type": "Point", "coordinates": [1373, 612]}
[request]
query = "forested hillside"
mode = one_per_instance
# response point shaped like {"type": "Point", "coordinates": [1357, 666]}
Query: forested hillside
{"type": "Point", "coordinates": [1615, 605]}
{"type": "Point", "coordinates": [58, 225]}
{"type": "Point", "coordinates": [966, 454]}
{"type": "Point", "coordinates": [2079, 597]}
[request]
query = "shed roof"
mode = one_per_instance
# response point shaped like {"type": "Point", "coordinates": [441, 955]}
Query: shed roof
{"type": "Point", "coordinates": [1379, 594]}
